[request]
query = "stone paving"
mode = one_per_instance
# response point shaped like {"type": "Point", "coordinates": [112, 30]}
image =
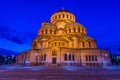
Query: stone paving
{"type": "Point", "coordinates": [58, 73]}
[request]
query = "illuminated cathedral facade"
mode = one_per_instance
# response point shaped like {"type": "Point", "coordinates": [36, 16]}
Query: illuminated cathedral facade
{"type": "Point", "coordinates": [64, 42]}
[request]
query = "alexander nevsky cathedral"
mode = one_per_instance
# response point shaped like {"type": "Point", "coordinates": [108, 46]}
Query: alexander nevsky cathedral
{"type": "Point", "coordinates": [64, 42]}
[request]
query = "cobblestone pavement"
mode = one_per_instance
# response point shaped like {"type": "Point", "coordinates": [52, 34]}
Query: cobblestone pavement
{"type": "Point", "coordinates": [59, 73]}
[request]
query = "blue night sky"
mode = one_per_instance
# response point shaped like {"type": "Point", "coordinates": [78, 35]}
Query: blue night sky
{"type": "Point", "coordinates": [21, 19]}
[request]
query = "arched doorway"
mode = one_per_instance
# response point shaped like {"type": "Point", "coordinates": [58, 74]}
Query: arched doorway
{"type": "Point", "coordinates": [54, 56]}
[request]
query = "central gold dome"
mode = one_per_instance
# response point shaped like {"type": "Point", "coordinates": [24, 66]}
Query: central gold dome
{"type": "Point", "coordinates": [63, 15]}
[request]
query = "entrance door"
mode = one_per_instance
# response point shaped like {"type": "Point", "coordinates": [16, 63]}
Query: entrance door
{"type": "Point", "coordinates": [53, 60]}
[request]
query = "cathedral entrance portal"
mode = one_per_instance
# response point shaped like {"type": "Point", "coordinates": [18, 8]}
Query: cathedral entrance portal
{"type": "Point", "coordinates": [54, 60]}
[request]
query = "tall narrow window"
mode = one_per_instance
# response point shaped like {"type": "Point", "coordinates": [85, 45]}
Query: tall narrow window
{"type": "Point", "coordinates": [65, 57]}
{"type": "Point", "coordinates": [70, 17]}
{"type": "Point", "coordinates": [69, 56]}
{"type": "Point", "coordinates": [54, 32]}
{"type": "Point", "coordinates": [86, 58]}
{"type": "Point", "coordinates": [89, 44]}
{"type": "Point", "coordinates": [83, 44]}
{"type": "Point", "coordinates": [54, 53]}
{"type": "Point", "coordinates": [63, 15]}
{"type": "Point", "coordinates": [50, 31]}
{"type": "Point", "coordinates": [92, 57]}
{"type": "Point", "coordinates": [59, 16]}
{"type": "Point", "coordinates": [55, 16]}
{"type": "Point", "coordinates": [69, 30]}
{"type": "Point", "coordinates": [73, 57]}
{"type": "Point", "coordinates": [95, 58]}
{"type": "Point", "coordinates": [46, 31]}
{"type": "Point", "coordinates": [74, 29]}
{"type": "Point", "coordinates": [89, 58]}
{"type": "Point", "coordinates": [67, 15]}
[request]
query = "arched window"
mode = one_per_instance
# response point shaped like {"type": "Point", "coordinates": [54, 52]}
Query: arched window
{"type": "Point", "coordinates": [65, 57]}
{"type": "Point", "coordinates": [69, 56]}
{"type": "Point", "coordinates": [54, 32]}
{"type": "Point", "coordinates": [86, 58]}
{"type": "Point", "coordinates": [54, 53]}
{"type": "Point", "coordinates": [69, 30]}
{"type": "Point", "coordinates": [74, 29]}
{"type": "Point", "coordinates": [92, 57]}
{"type": "Point", "coordinates": [59, 16]}
{"type": "Point", "coordinates": [89, 44]}
{"type": "Point", "coordinates": [89, 58]}
{"type": "Point", "coordinates": [83, 44]}
{"type": "Point", "coordinates": [55, 16]}
{"type": "Point", "coordinates": [63, 15]}
{"type": "Point", "coordinates": [34, 44]}
{"type": "Point", "coordinates": [70, 17]}
{"type": "Point", "coordinates": [95, 58]}
{"type": "Point", "coordinates": [67, 15]}
{"type": "Point", "coordinates": [50, 31]}
{"type": "Point", "coordinates": [59, 43]}
{"type": "Point", "coordinates": [46, 31]}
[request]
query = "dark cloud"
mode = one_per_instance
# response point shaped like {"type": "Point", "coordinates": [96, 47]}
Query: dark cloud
{"type": "Point", "coordinates": [15, 35]}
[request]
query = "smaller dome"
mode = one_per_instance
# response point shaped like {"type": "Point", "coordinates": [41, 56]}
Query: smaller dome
{"type": "Point", "coordinates": [48, 25]}
{"type": "Point", "coordinates": [74, 25]}
{"type": "Point", "coordinates": [87, 38]}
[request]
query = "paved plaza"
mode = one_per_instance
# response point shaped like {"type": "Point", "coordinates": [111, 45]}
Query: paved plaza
{"type": "Point", "coordinates": [59, 73]}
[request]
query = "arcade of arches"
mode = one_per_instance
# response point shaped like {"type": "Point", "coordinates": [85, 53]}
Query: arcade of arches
{"type": "Point", "coordinates": [63, 41]}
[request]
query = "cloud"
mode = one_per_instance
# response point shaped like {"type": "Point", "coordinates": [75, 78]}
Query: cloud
{"type": "Point", "coordinates": [9, 45]}
{"type": "Point", "coordinates": [15, 40]}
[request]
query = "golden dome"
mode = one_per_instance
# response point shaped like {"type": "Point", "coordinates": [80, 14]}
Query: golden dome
{"type": "Point", "coordinates": [74, 24]}
{"type": "Point", "coordinates": [62, 15]}
{"type": "Point", "coordinates": [48, 25]}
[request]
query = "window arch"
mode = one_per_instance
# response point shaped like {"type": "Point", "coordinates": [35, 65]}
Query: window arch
{"type": "Point", "coordinates": [55, 16]}
{"type": "Point", "coordinates": [65, 57]}
{"type": "Point", "coordinates": [70, 17]}
{"type": "Point", "coordinates": [83, 44]}
{"type": "Point", "coordinates": [67, 15]}
{"type": "Point", "coordinates": [59, 16]}
{"type": "Point", "coordinates": [69, 56]}
{"type": "Point", "coordinates": [54, 32]}
{"type": "Point", "coordinates": [86, 58]}
{"type": "Point", "coordinates": [95, 57]}
{"type": "Point", "coordinates": [69, 30]}
{"type": "Point", "coordinates": [92, 57]}
{"type": "Point", "coordinates": [54, 53]}
{"type": "Point", "coordinates": [50, 31]}
{"type": "Point", "coordinates": [46, 31]}
{"type": "Point", "coordinates": [89, 44]}
{"type": "Point", "coordinates": [89, 58]}
{"type": "Point", "coordinates": [74, 29]}
{"type": "Point", "coordinates": [34, 43]}
{"type": "Point", "coordinates": [63, 15]}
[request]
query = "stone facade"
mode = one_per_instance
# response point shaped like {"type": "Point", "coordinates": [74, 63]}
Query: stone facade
{"type": "Point", "coordinates": [63, 41]}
